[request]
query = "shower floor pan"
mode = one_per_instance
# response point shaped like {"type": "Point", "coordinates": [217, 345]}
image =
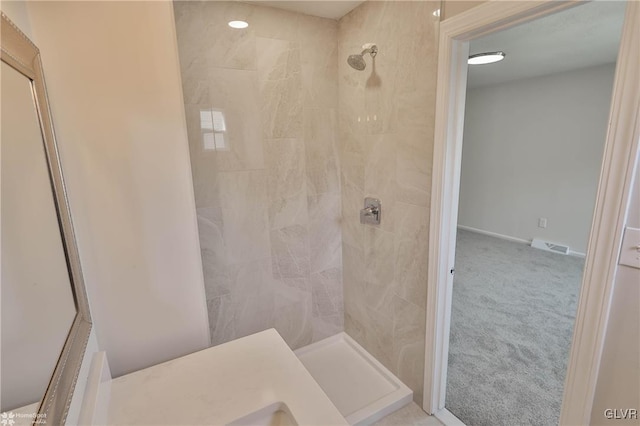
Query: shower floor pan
{"type": "Point", "coordinates": [361, 388]}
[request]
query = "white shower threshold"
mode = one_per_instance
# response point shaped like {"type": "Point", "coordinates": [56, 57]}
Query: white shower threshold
{"type": "Point", "coordinates": [360, 387]}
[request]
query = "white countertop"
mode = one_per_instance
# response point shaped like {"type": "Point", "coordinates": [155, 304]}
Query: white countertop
{"type": "Point", "coordinates": [220, 384]}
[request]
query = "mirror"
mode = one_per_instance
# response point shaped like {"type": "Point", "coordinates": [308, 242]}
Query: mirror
{"type": "Point", "coordinates": [44, 314]}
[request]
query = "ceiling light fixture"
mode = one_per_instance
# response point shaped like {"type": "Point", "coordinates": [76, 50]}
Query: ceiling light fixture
{"type": "Point", "coordinates": [485, 58]}
{"type": "Point", "coordinates": [238, 24]}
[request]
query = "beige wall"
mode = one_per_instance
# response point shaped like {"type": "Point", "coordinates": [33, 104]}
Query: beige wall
{"type": "Point", "coordinates": [533, 148]}
{"type": "Point", "coordinates": [114, 86]}
{"type": "Point", "coordinates": [268, 197]}
{"type": "Point", "coordinates": [386, 138]}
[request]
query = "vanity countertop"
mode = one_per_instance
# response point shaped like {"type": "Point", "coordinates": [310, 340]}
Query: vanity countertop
{"type": "Point", "coordinates": [218, 385]}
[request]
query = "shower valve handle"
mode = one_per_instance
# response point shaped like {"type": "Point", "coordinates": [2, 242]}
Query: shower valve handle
{"type": "Point", "coordinates": [370, 214]}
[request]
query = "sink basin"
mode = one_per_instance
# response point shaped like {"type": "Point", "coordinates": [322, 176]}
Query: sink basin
{"type": "Point", "coordinates": [276, 414]}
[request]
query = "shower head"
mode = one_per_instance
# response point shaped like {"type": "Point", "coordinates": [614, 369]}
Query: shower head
{"type": "Point", "coordinates": [357, 61]}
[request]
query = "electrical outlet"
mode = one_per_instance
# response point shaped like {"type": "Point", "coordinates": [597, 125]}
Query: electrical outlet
{"type": "Point", "coordinates": [542, 222]}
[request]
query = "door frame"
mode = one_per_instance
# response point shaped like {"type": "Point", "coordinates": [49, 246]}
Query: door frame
{"type": "Point", "coordinates": [612, 199]}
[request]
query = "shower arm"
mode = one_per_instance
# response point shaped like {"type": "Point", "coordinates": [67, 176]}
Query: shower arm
{"type": "Point", "coordinates": [370, 48]}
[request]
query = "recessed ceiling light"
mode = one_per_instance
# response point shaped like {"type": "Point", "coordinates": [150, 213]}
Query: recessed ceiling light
{"type": "Point", "coordinates": [485, 58]}
{"type": "Point", "coordinates": [238, 24]}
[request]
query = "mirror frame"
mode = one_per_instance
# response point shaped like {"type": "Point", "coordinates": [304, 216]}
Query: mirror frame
{"type": "Point", "coordinates": [22, 55]}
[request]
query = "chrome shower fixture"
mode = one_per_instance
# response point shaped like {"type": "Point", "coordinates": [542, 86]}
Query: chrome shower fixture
{"type": "Point", "coordinates": [357, 61]}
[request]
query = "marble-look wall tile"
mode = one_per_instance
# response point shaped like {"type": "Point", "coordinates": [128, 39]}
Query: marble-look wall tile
{"type": "Point", "coordinates": [386, 115]}
{"type": "Point", "coordinates": [287, 188]}
{"type": "Point", "coordinates": [203, 34]}
{"type": "Point", "coordinates": [213, 251]}
{"type": "Point", "coordinates": [252, 290]}
{"type": "Point", "coordinates": [233, 93]}
{"type": "Point", "coordinates": [290, 252]}
{"type": "Point", "coordinates": [269, 197]}
{"type": "Point", "coordinates": [411, 251]}
{"type": "Point", "coordinates": [294, 320]}
{"type": "Point", "coordinates": [408, 343]}
{"type": "Point", "coordinates": [243, 200]}
{"type": "Point", "coordinates": [281, 89]}
{"type": "Point", "coordinates": [380, 175]}
{"type": "Point", "coordinates": [379, 269]}
{"type": "Point", "coordinates": [325, 238]}
{"type": "Point", "coordinates": [322, 151]}
{"type": "Point", "coordinates": [203, 161]}
{"type": "Point", "coordinates": [319, 64]}
{"type": "Point", "coordinates": [413, 173]}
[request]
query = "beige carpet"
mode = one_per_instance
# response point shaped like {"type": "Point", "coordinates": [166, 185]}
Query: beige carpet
{"type": "Point", "coordinates": [511, 326]}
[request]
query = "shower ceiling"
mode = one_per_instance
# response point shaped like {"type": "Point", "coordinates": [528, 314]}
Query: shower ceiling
{"type": "Point", "coordinates": [323, 9]}
{"type": "Point", "coordinates": [580, 37]}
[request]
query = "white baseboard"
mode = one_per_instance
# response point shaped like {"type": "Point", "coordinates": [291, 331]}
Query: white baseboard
{"type": "Point", "coordinates": [510, 238]}
{"type": "Point", "coordinates": [447, 418]}
{"type": "Point", "coordinates": [494, 234]}
{"type": "Point", "coordinates": [576, 254]}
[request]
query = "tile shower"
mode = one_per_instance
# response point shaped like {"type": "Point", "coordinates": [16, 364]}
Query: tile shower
{"type": "Point", "coordinates": [286, 140]}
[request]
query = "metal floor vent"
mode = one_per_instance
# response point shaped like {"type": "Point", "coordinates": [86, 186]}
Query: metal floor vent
{"type": "Point", "coordinates": [549, 246]}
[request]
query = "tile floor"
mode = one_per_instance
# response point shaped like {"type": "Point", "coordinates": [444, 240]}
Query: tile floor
{"type": "Point", "coordinates": [410, 414]}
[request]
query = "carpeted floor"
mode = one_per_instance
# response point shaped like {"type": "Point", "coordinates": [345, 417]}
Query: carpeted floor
{"type": "Point", "coordinates": [511, 326]}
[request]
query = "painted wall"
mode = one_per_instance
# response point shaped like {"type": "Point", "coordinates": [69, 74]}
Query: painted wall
{"type": "Point", "coordinates": [533, 148]}
{"type": "Point", "coordinates": [268, 194]}
{"type": "Point", "coordinates": [114, 86]}
{"type": "Point", "coordinates": [19, 15]}
{"type": "Point", "coordinates": [618, 384]}
{"type": "Point", "coordinates": [386, 140]}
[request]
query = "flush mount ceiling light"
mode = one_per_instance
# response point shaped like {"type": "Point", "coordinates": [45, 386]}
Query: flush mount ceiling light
{"type": "Point", "coordinates": [238, 24]}
{"type": "Point", "coordinates": [485, 58]}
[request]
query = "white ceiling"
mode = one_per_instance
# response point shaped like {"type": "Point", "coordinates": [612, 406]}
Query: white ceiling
{"type": "Point", "coordinates": [579, 37]}
{"type": "Point", "coordinates": [324, 9]}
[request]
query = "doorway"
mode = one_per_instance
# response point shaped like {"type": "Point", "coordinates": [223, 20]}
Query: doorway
{"type": "Point", "coordinates": [619, 155]}
{"type": "Point", "coordinates": [534, 131]}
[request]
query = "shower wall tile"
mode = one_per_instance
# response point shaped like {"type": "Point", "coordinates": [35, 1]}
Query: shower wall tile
{"type": "Point", "coordinates": [319, 64]}
{"type": "Point", "coordinates": [408, 343]}
{"type": "Point", "coordinates": [282, 112]}
{"type": "Point", "coordinates": [277, 23]}
{"type": "Point", "coordinates": [286, 182]}
{"type": "Point", "coordinates": [290, 252]}
{"type": "Point", "coordinates": [411, 248]}
{"type": "Point", "coordinates": [386, 142]}
{"type": "Point", "coordinates": [321, 150]}
{"type": "Point", "coordinates": [213, 250]}
{"type": "Point", "coordinates": [233, 92]}
{"type": "Point", "coordinates": [269, 197]}
{"type": "Point", "coordinates": [203, 35]}
{"type": "Point", "coordinates": [252, 290]}
{"type": "Point", "coordinates": [380, 175]}
{"type": "Point", "coordinates": [243, 201]}
{"type": "Point", "coordinates": [294, 321]}
{"type": "Point", "coordinates": [325, 242]}
{"type": "Point", "coordinates": [413, 173]}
